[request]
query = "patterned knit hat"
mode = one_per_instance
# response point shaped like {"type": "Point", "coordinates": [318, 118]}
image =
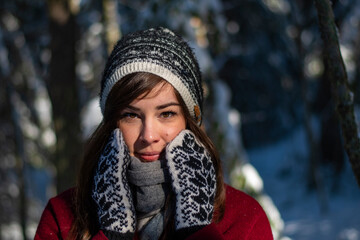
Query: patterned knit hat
{"type": "Point", "coordinates": [161, 52]}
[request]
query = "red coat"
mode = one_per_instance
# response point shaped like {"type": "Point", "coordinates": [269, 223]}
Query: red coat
{"type": "Point", "coordinates": [244, 218]}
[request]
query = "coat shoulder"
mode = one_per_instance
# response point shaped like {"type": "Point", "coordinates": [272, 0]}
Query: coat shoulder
{"type": "Point", "coordinates": [64, 200]}
{"type": "Point", "coordinates": [234, 195]}
{"type": "Point", "coordinates": [57, 217]}
{"type": "Point", "coordinates": [243, 214]}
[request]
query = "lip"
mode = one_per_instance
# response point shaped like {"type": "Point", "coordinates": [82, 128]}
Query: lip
{"type": "Point", "coordinates": [149, 156]}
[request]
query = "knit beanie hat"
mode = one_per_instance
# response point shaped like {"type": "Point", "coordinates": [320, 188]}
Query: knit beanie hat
{"type": "Point", "coordinates": [161, 52]}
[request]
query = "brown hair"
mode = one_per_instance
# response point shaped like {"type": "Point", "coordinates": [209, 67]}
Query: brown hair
{"type": "Point", "coordinates": [122, 94]}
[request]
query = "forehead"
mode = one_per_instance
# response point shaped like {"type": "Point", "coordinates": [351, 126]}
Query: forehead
{"type": "Point", "coordinates": [161, 91]}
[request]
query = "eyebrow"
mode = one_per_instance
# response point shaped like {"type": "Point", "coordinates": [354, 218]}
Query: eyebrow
{"type": "Point", "coordinates": [167, 105]}
{"type": "Point", "coordinates": [157, 107]}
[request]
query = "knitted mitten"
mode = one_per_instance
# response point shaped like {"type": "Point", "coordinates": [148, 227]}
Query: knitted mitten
{"type": "Point", "coordinates": [193, 181]}
{"type": "Point", "coordinates": [111, 191]}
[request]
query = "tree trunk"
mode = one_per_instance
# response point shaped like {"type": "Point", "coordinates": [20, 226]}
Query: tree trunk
{"type": "Point", "coordinates": [63, 92]}
{"type": "Point", "coordinates": [21, 160]}
{"type": "Point", "coordinates": [341, 93]}
{"type": "Point", "coordinates": [112, 28]}
{"type": "Point", "coordinates": [315, 178]}
{"type": "Point", "coordinates": [7, 75]}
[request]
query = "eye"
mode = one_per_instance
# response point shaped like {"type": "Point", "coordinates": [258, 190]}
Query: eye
{"type": "Point", "coordinates": [168, 114]}
{"type": "Point", "coordinates": [129, 115]}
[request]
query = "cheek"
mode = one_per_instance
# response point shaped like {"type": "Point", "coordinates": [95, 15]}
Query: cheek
{"type": "Point", "coordinates": [130, 137]}
{"type": "Point", "coordinates": [172, 132]}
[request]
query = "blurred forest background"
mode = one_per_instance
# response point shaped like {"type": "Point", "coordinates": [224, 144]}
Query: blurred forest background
{"type": "Point", "coordinates": [262, 61]}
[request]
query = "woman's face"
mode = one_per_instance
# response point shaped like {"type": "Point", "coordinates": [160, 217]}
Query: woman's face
{"type": "Point", "coordinates": [149, 123]}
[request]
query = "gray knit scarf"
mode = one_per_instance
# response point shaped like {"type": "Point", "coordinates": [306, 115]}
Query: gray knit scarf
{"type": "Point", "coordinates": [150, 187]}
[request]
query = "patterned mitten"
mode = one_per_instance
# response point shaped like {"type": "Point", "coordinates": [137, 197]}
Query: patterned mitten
{"type": "Point", "coordinates": [193, 181]}
{"type": "Point", "coordinates": [111, 191]}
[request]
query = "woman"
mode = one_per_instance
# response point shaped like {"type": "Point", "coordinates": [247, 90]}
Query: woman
{"type": "Point", "coordinates": [149, 170]}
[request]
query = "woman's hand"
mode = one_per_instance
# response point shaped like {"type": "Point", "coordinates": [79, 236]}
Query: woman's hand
{"type": "Point", "coordinates": [111, 191]}
{"type": "Point", "coordinates": [193, 181]}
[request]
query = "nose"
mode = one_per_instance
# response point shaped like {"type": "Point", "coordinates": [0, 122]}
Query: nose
{"type": "Point", "coordinates": [150, 132]}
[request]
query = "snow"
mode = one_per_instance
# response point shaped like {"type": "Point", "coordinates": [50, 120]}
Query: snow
{"type": "Point", "coordinates": [238, 172]}
{"type": "Point", "coordinates": [283, 168]}
{"type": "Point", "coordinates": [90, 117]}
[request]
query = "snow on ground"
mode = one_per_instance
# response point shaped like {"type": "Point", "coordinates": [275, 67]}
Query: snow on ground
{"type": "Point", "coordinates": [283, 167]}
